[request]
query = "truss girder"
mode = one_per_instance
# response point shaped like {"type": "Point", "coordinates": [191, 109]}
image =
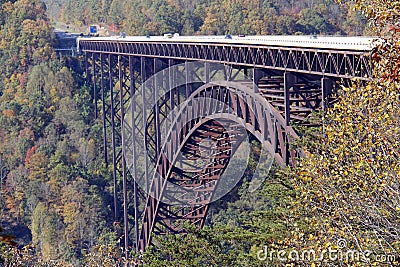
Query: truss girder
{"type": "Point", "coordinates": [330, 63]}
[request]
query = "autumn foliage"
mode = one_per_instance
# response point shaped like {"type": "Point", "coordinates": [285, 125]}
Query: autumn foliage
{"type": "Point", "coordinates": [348, 185]}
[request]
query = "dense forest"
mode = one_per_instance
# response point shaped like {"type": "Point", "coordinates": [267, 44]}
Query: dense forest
{"type": "Point", "coordinates": [186, 17]}
{"type": "Point", "coordinates": [56, 192]}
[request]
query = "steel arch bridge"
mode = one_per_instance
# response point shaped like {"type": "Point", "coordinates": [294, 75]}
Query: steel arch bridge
{"type": "Point", "coordinates": [159, 100]}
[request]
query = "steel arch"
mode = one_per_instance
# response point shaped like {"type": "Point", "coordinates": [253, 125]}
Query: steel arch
{"type": "Point", "coordinates": [250, 110]}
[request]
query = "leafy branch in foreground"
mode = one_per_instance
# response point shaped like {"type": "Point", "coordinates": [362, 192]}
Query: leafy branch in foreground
{"type": "Point", "coordinates": [348, 185]}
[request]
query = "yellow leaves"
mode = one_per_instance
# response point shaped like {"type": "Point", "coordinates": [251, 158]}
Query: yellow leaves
{"type": "Point", "coordinates": [332, 230]}
{"type": "Point", "coordinates": [302, 173]}
{"type": "Point", "coordinates": [327, 245]}
{"type": "Point", "coordinates": [50, 110]}
{"type": "Point", "coordinates": [356, 164]}
{"type": "Point", "coordinates": [314, 208]}
{"type": "Point", "coordinates": [74, 156]}
{"type": "Point", "coordinates": [306, 178]}
{"type": "Point", "coordinates": [37, 166]}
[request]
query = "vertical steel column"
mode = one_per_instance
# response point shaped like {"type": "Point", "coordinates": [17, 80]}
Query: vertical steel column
{"type": "Point", "coordinates": [175, 79]}
{"type": "Point", "coordinates": [207, 71]}
{"type": "Point", "coordinates": [246, 73]}
{"type": "Point", "coordinates": [87, 66]}
{"type": "Point", "coordinates": [121, 74]}
{"type": "Point", "coordinates": [134, 159]}
{"type": "Point", "coordinates": [289, 80]}
{"type": "Point", "coordinates": [257, 75]}
{"type": "Point", "coordinates": [227, 72]}
{"type": "Point", "coordinates": [114, 145]}
{"type": "Point", "coordinates": [156, 109]}
{"type": "Point", "coordinates": [187, 74]}
{"type": "Point", "coordinates": [171, 86]}
{"type": "Point", "coordinates": [94, 86]}
{"type": "Point", "coordinates": [144, 115]}
{"type": "Point", "coordinates": [103, 100]}
{"type": "Point", "coordinates": [327, 89]}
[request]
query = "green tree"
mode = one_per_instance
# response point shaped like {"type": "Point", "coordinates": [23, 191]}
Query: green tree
{"type": "Point", "coordinates": [45, 232]}
{"type": "Point", "coordinates": [312, 22]}
{"type": "Point", "coordinates": [168, 16]}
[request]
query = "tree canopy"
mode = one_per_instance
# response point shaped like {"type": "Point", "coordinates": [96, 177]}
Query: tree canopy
{"type": "Point", "coordinates": [139, 17]}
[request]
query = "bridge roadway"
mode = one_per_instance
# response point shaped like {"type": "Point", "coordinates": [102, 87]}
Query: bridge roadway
{"type": "Point", "coordinates": [266, 83]}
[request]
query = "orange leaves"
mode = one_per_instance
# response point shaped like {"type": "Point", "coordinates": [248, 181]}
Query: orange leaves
{"type": "Point", "coordinates": [9, 113]}
{"type": "Point", "coordinates": [8, 7]}
{"type": "Point", "coordinates": [8, 239]}
{"type": "Point", "coordinates": [29, 154]}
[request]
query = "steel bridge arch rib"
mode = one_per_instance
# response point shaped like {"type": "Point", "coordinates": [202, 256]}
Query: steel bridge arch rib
{"type": "Point", "coordinates": [203, 120]}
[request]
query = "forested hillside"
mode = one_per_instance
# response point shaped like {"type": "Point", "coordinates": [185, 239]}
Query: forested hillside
{"type": "Point", "coordinates": [187, 17]}
{"type": "Point", "coordinates": [53, 191]}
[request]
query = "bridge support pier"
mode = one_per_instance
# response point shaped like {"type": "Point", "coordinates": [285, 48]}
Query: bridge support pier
{"type": "Point", "coordinates": [132, 89]}
{"type": "Point", "coordinates": [121, 78]}
{"type": "Point", "coordinates": [94, 85]}
{"type": "Point", "coordinates": [289, 80]}
{"type": "Point", "coordinates": [104, 107]}
{"type": "Point", "coordinates": [327, 87]}
{"type": "Point", "coordinates": [114, 80]}
{"type": "Point", "coordinates": [257, 75]}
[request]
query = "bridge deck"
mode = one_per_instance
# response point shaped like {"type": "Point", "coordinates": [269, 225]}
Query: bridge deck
{"type": "Point", "coordinates": [324, 42]}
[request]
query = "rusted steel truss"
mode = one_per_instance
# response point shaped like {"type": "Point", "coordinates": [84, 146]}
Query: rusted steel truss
{"type": "Point", "coordinates": [265, 89]}
{"type": "Point", "coordinates": [329, 63]}
{"type": "Point", "coordinates": [249, 110]}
